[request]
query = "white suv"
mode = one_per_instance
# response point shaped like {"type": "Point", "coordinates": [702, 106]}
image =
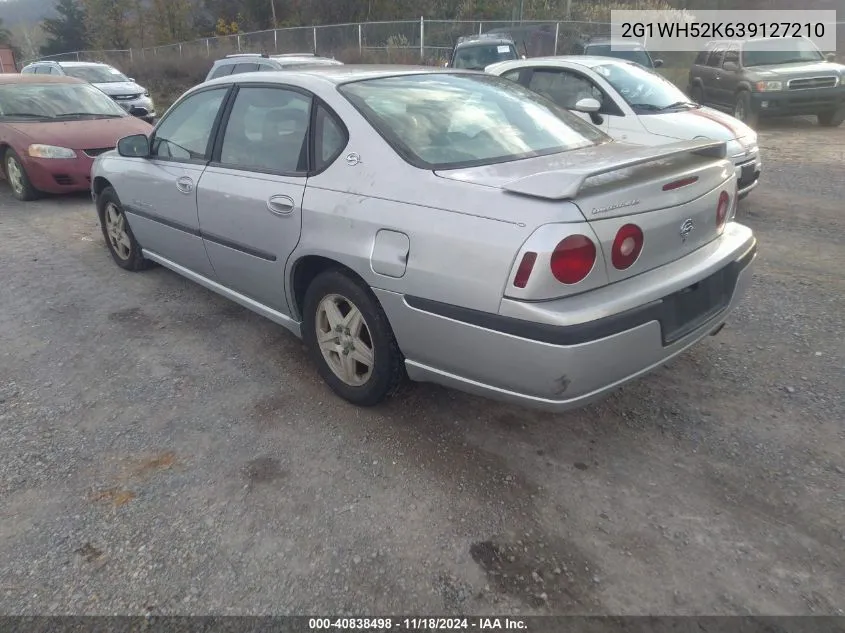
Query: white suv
{"type": "Point", "coordinates": [133, 98]}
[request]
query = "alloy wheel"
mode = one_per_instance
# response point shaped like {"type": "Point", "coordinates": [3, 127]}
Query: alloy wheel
{"type": "Point", "coordinates": [116, 231]}
{"type": "Point", "coordinates": [14, 174]}
{"type": "Point", "coordinates": [344, 340]}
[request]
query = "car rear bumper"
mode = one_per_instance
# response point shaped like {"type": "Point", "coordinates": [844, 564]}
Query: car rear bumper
{"type": "Point", "coordinates": [562, 354]}
{"type": "Point", "coordinates": [59, 175]}
{"type": "Point", "coordinates": [798, 102]}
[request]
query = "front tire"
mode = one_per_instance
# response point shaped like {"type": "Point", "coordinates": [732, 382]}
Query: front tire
{"type": "Point", "coordinates": [744, 111]}
{"type": "Point", "coordinates": [124, 248]}
{"type": "Point", "coordinates": [350, 339]}
{"type": "Point", "coordinates": [831, 118]}
{"type": "Point", "coordinates": [17, 177]}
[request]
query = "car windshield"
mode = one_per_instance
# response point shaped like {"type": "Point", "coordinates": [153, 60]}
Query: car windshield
{"type": "Point", "coordinates": [779, 51]}
{"type": "Point", "coordinates": [446, 121]}
{"type": "Point", "coordinates": [643, 89]}
{"type": "Point", "coordinates": [56, 100]}
{"type": "Point", "coordinates": [638, 55]}
{"type": "Point", "coordinates": [478, 57]}
{"type": "Point", "coordinates": [96, 74]}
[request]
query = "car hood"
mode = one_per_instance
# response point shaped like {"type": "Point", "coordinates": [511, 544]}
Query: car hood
{"type": "Point", "coordinates": [692, 123]}
{"type": "Point", "coordinates": [88, 134]}
{"type": "Point", "coordinates": [121, 88]}
{"type": "Point", "coordinates": [798, 69]}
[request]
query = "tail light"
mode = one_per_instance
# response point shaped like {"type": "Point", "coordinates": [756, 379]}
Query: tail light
{"type": "Point", "coordinates": [627, 246]}
{"type": "Point", "coordinates": [573, 259]}
{"type": "Point", "coordinates": [722, 209]}
{"type": "Point", "coordinates": [524, 270]}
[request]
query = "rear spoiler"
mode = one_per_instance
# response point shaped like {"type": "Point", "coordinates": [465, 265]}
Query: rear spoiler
{"type": "Point", "coordinates": [564, 184]}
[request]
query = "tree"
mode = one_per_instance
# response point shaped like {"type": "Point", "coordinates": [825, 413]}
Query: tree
{"type": "Point", "coordinates": [171, 19]}
{"type": "Point", "coordinates": [106, 25]}
{"type": "Point", "coordinates": [5, 35]}
{"type": "Point", "coordinates": [66, 32]}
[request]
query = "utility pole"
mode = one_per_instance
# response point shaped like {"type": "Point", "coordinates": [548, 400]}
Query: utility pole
{"type": "Point", "coordinates": [521, 9]}
{"type": "Point", "coordinates": [273, 9]}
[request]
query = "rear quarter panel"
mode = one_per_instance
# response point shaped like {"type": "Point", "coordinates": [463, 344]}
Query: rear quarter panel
{"type": "Point", "coordinates": [463, 237]}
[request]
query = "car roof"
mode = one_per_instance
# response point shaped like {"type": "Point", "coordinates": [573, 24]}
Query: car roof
{"type": "Point", "coordinates": [589, 61]}
{"type": "Point", "coordinates": [484, 38]}
{"type": "Point", "coordinates": [341, 74]}
{"type": "Point", "coordinates": [38, 79]}
{"type": "Point", "coordinates": [281, 58]}
{"type": "Point", "coordinates": [604, 41]}
{"type": "Point", "coordinates": [68, 64]}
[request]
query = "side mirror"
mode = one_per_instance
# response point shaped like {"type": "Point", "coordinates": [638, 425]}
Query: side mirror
{"type": "Point", "coordinates": [731, 67]}
{"type": "Point", "coordinates": [135, 146]}
{"type": "Point", "coordinates": [831, 57]}
{"type": "Point", "coordinates": [588, 105]}
{"type": "Point", "coordinates": [658, 63]}
{"type": "Point", "coordinates": [138, 111]}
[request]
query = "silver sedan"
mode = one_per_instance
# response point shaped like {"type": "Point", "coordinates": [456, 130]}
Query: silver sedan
{"type": "Point", "coordinates": [446, 226]}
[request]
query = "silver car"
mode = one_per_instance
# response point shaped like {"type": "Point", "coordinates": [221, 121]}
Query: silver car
{"type": "Point", "coordinates": [129, 95]}
{"type": "Point", "coordinates": [447, 226]}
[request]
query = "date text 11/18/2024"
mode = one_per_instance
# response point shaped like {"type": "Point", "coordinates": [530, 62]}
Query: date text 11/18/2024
{"type": "Point", "coordinates": [416, 624]}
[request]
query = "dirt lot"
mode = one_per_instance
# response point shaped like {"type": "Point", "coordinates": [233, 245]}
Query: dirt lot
{"type": "Point", "coordinates": [166, 451]}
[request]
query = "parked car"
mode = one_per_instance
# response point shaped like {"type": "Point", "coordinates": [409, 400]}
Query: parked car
{"type": "Point", "coordinates": [636, 105]}
{"type": "Point", "coordinates": [769, 77]}
{"type": "Point", "coordinates": [129, 95]}
{"type": "Point", "coordinates": [452, 225]}
{"type": "Point", "coordinates": [475, 52]}
{"type": "Point", "coordinates": [605, 46]}
{"type": "Point", "coordinates": [51, 128]}
{"type": "Point", "coordinates": [532, 40]}
{"type": "Point", "coordinates": [253, 62]}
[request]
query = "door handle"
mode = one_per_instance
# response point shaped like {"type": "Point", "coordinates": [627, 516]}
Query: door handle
{"type": "Point", "coordinates": [280, 205]}
{"type": "Point", "coordinates": [185, 184]}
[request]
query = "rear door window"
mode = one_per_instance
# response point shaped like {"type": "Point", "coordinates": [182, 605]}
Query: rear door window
{"type": "Point", "coordinates": [267, 130]}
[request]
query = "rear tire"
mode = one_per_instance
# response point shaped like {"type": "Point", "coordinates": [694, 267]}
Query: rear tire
{"type": "Point", "coordinates": [350, 339]}
{"type": "Point", "coordinates": [744, 111]}
{"type": "Point", "coordinates": [17, 177]}
{"type": "Point", "coordinates": [831, 118]}
{"type": "Point", "coordinates": [124, 248]}
{"type": "Point", "coordinates": [697, 94]}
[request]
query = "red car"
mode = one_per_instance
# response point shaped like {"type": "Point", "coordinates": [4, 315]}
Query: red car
{"type": "Point", "coordinates": [52, 128]}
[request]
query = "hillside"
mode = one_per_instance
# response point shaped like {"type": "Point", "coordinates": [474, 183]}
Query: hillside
{"type": "Point", "coordinates": [15, 12]}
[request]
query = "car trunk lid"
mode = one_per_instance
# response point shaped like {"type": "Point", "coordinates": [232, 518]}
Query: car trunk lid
{"type": "Point", "coordinates": [671, 192]}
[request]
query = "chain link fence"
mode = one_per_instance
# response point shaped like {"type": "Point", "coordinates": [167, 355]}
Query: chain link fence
{"type": "Point", "coordinates": [410, 41]}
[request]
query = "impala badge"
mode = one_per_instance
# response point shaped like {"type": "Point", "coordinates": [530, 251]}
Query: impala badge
{"type": "Point", "coordinates": [686, 228]}
{"type": "Point", "coordinates": [614, 207]}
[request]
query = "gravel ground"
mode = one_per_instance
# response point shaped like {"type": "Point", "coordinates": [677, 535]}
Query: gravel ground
{"type": "Point", "coordinates": [165, 451]}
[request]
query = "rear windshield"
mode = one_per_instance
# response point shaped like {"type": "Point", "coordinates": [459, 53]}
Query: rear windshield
{"type": "Point", "coordinates": [637, 55]}
{"type": "Point", "coordinates": [479, 56]}
{"type": "Point", "coordinates": [447, 121]}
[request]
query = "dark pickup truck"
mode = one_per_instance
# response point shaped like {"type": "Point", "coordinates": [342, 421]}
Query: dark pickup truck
{"type": "Point", "coordinates": [774, 77]}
